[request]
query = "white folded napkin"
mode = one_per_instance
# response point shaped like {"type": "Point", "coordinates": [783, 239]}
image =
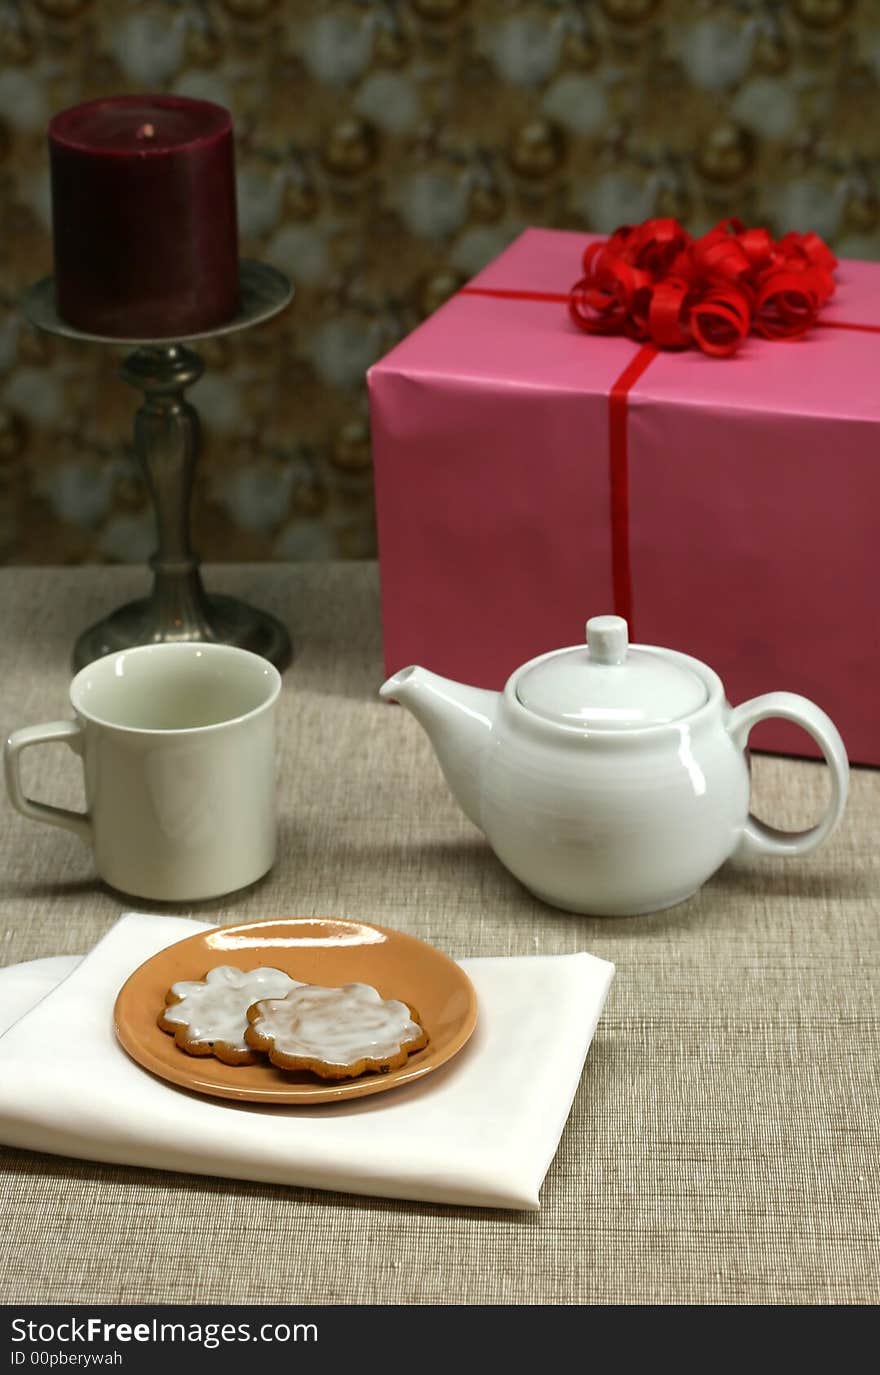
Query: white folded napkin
{"type": "Point", "coordinates": [481, 1130]}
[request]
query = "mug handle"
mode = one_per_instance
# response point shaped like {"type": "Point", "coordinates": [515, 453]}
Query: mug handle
{"type": "Point", "coordinates": [71, 733]}
{"type": "Point", "coordinates": [758, 838]}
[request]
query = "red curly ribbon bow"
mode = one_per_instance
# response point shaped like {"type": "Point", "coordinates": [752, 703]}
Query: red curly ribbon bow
{"type": "Point", "coordinates": [655, 283]}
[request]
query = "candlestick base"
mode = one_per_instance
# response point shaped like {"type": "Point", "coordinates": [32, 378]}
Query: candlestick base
{"type": "Point", "coordinates": [228, 621]}
{"type": "Point", "coordinates": [166, 442]}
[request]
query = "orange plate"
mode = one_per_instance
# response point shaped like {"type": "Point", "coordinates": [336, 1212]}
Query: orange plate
{"type": "Point", "coordinates": [313, 950]}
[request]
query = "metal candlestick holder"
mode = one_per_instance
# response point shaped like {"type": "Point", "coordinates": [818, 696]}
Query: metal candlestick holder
{"type": "Point", "coordinates": [166, 440]}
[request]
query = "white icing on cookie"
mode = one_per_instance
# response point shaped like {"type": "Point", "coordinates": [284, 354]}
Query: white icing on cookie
{"type": "Point", "coordinates": [215, 1008]}
{"type": "Point", "coordinates": [337, 1026]}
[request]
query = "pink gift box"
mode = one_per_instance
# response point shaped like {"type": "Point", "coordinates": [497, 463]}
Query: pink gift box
{"type": "Point", "coordinates": [748, 536]}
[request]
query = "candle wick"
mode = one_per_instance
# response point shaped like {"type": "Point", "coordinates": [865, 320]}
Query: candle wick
{"type": "Point", "coordinates": [146, 131]}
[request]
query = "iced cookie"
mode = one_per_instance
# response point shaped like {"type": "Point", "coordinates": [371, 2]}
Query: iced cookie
{"type": "Point", "coordinates": [209, 1016]}
{"type": "Point", "coordinates": [338, 1033]}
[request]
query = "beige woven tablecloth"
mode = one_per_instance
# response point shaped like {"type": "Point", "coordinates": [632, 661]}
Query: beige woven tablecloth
{"type": "Point", "coordinates": [723, 1146]}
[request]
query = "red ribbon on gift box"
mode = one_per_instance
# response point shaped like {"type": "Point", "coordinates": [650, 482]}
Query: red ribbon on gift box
{"type": "Point", "coordinates": [656, 284]}
{"type": "Point", "coordinates": [663, 289]}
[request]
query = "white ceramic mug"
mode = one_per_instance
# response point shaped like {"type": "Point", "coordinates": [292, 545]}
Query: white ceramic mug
{"type": "Point", "coordinates": [178, 747]}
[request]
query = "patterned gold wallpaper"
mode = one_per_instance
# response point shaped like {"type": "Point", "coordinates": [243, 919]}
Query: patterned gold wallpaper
{"type": "Point", "coordinates": [386, 150]}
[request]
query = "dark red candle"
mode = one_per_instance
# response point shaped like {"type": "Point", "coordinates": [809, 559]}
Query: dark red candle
{"type": "Point", "coordinates": [143, 215]}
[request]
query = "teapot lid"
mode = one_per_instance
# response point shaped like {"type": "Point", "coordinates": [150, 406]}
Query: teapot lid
{"type": "Point", "coordinates": [610, 685]}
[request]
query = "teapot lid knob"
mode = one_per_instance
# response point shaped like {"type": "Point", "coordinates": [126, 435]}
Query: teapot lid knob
{"type": "Point", "coordinates": [607, 638]}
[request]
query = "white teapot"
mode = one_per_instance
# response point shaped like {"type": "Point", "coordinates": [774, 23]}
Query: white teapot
{"type": "Point", "coordinates": [612, 779]}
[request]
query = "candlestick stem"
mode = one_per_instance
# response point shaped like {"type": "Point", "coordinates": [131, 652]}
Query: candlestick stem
{"type": "Point", "coordinates": [166, 441]}
{"type": "Point", "coordinates": [166, 437]}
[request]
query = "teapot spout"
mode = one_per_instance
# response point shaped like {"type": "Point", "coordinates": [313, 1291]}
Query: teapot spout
{"type": "Point", "coordinates": [458, 721]}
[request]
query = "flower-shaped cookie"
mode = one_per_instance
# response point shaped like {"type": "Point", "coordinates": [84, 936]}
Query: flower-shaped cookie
{"type": "Point", "coordinates": [338, 1033]}
{"type": "Point", "coordinates": [209, 1016]}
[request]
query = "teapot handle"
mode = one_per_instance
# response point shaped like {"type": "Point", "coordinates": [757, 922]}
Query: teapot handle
{"type": "Point", "coordinates": [759, 838]}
